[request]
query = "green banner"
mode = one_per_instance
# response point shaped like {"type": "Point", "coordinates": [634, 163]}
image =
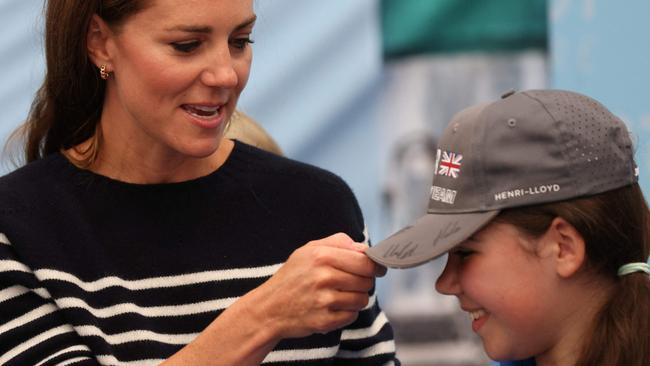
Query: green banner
{"type": "Point", "coordinates": [440, 26]}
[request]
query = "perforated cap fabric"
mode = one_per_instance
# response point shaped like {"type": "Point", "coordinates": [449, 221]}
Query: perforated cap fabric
{"type": "Point", "coordinates": [527, 148]}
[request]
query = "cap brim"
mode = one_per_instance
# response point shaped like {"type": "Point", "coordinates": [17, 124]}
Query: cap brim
{"type": "Point", "coordinates": [430, 237]}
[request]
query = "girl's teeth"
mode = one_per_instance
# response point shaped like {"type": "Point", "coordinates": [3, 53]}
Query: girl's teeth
{"type": "Point", "coordinates": [476, 314]}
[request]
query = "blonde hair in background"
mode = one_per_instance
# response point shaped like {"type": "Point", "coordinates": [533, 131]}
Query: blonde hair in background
{"type": "Point", "coordinates": [245, 129]}
{"type": "Point", "coordinates": [240, 127]}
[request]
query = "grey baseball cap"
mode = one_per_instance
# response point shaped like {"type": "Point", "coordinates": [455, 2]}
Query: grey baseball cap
{"type": "Point", "coordinates": [527, 148]}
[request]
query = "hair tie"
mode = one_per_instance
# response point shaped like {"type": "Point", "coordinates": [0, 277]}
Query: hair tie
{"type": "Point", "coordinates": [634, 267]}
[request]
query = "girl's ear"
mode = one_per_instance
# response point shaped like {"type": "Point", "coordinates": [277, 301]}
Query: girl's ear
{"type": "Point", "coordinates": [566, 247]}
{"type": "Point", "coordinates": [97, 41]}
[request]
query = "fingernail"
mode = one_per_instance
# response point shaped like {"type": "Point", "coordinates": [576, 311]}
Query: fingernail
{"type": "Point", "coordinates": [381, 271]}
{"type": "Point", "coordinates": [362, 247]}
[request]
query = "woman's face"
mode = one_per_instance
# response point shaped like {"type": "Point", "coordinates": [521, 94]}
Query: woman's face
{"type": "Point", "coordinates": [506, 289]}
{"type": "Point", "coordinates": [178, 67]}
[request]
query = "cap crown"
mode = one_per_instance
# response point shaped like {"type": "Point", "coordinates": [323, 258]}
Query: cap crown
{"type": "Point", "coordinates": [528, 148]}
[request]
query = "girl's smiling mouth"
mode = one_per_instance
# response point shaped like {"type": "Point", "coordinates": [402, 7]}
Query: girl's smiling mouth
{"type": "Point", "coordinates": [479, 317]}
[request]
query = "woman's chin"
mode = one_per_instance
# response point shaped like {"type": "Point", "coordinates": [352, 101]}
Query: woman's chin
{"type": "Point", "coordinates": [203, 148]}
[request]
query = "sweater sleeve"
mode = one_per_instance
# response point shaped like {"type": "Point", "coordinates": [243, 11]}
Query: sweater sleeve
{"type": "Point", "coordinates": [369, 339]}
{"type": "Point", "coordinates": [32, 329]}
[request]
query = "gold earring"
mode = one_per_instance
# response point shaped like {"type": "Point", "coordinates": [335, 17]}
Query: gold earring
{"type": "Point", "coordinates": [103, 73]}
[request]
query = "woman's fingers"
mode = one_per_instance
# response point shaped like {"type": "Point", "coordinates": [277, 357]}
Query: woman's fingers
{"type": "Point", "coordinates": [330, 251]}
{"type": "Point", "coordinates": [333, 278]}
{"type": "Point", "coordinates": [339, 240]}
{"type": "Point", "coordinates": [322, 287]}
{"type": "Point", "coordinates": [348, 301]}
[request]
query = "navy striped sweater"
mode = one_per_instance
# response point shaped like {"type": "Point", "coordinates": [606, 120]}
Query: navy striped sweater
{"type": "Point", "coordinates": [95, 271]}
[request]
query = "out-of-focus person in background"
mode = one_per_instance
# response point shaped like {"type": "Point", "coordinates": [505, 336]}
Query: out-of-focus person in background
{"type": "Point", "coordinates": [535, 197]}
{"type": "Point", "coordinates": [136, 234]}
{"type": "Point", "coordinates": [245, 129]}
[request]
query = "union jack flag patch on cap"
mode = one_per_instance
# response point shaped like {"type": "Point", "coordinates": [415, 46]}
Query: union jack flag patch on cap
{"type": "Point", "coordinates": [450, 164]}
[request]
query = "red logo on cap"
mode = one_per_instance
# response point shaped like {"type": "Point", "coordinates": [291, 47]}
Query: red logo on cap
{"type": "Point", "coordinates": [450, 164]}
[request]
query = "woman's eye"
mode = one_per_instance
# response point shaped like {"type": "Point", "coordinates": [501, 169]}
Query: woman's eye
{"type": "Point", "coordinates": [241, 43]}
{"type": "Point", "coordinates": [186, 47]}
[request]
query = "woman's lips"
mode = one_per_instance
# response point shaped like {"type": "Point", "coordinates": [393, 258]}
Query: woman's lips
{"type": "Point", "coordinates": [206, 116]}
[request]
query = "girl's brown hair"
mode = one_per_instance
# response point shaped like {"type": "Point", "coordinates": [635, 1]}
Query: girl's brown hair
{"type": "Point", "coordinates": [615, 227]}
{"type": "Point", "coordinates": [67, 107]}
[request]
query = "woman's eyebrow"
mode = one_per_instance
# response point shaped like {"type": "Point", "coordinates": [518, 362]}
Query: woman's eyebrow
{"type": "Point", "coordinates": [208, 29]}
{"type": "Point", "coordinates": [247, 23]}
{"type": "Point", "coordinates": [191, 28]}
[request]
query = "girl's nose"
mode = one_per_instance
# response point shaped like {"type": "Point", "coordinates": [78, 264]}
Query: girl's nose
{"type": "Point", "coordinates": [447, 283]}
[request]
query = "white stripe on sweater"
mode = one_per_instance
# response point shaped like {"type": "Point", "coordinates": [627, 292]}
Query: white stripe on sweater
{"type": "Point", "coordinates": [7, 265]}
{"type": "Point", "coordinates": [110, 360]}
{"type": "Point", "coordinates": [274, 356]}
{"type": "Point", "coordinates": [300, 354]}
{"type": "Point", "coordinates": [371, 302]}
{"type": "Point", "coordinates": [67, 350]}
{"type": "Point", "coordinates": [12, 292]}
{"type": "Point", "coordinates": [377, 349]}
{"type": "Point", "coordinates": [15, 291]}
{"type": "Point", "coordinates": [158, 282]}
{"type": "Point", "coordinates": [33, 342]}
{"type": "Point", "coordinates": [136, 336]}
{"type": "Point", "coordinates": [28, 317]}
{"type": "Point", "coordinates": [149, 311]}
{"type": "Point", "coordinates": [73, 361]}
{"type": "Point", "coordinates": [350, 334]}
{"type": "Point", "coordinates": [42, 293]}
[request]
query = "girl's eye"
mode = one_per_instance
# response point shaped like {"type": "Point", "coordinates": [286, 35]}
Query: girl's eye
{"type": "Point", "coordinates": [462, 253]}
{"type": "Point", "coordinates": [241, 43]}
{"type": "Point", "coordinates": [186, 47]}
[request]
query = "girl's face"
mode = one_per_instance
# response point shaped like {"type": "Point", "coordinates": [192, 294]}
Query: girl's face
{"type": "Point", "coordinates": [507, 289]}
{"type": "Point", "coordinates": [178, 67]}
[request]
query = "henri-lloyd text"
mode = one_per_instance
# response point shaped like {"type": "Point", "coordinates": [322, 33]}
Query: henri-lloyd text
{"type": "Point", "coordinates": [547, 188]}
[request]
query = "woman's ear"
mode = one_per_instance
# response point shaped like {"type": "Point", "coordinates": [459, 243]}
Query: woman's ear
{"type": "Point", "coordinates": [97, 39]}
{"type": "Point", "coordinates": [566, 247]}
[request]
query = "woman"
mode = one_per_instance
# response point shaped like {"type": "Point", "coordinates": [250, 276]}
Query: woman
{"type": "Point", "coordinates": [136, 234]}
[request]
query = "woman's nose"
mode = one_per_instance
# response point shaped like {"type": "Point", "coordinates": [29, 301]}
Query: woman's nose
{"type": "Point", "coordinates": [447, 283]}
{"type": "Point", "coordinates": [219, 70]}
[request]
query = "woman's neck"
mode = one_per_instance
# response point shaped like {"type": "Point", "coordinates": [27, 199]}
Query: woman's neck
{"type": "Point", "coordinates": [147, 167]}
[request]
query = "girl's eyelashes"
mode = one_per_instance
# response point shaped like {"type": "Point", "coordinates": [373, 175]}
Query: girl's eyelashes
{"type": "Point", "coordinates": [186, 47]}
{"type": "Point", "coordinates": [462, 253]}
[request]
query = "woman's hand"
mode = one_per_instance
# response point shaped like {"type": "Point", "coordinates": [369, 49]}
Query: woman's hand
{"type": "Point", "coordinates": [322, 287]}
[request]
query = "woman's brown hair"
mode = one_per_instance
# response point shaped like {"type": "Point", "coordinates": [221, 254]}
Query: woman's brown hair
{"type": "Point", "coordinates": [67, 107]}
{"type": "Point", "coordinates": [615, 227]}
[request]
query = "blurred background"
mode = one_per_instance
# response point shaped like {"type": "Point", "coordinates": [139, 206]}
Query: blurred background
{"type": "Point", "coordinates": [364, 88]}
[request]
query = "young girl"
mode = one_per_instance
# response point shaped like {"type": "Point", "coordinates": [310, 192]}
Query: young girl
{"type": "Point", "coordinates": [535, 197]}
